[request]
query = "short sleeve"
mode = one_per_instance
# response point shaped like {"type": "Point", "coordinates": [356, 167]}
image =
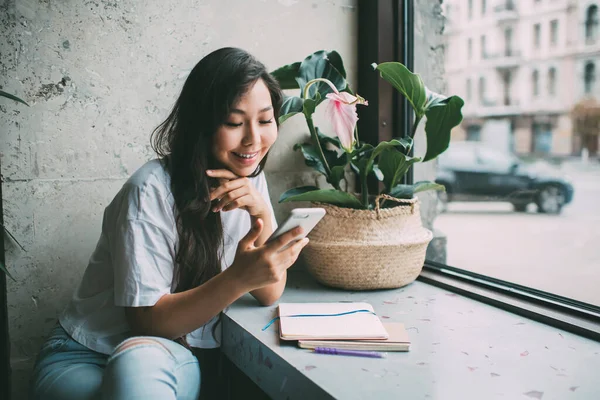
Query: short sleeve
{"type": "Point", "coordinates": [263, 189]}
{"type": "Point", "coordinates": [143, 259]}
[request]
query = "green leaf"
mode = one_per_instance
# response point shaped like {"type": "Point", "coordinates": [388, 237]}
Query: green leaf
{"type": "Point", "coordinates": [291, 106]}
{"type": "Point", "coordinates": [310, 104]}
{"type": "Point", "coordinates": [12, 97]}
{"type": "Point", "coordinates": [426, 185]}
{"type": "Point", "coordinates": [319, 65]}
{"type": "Point", "coordinates": [311, 157]}
{"type": "Point", "coordinates": [337, 165]}
{"type": "Point", "coordinates": [378, 173]}
{"type": "Point", "coordinates": [366, 166]}
{"type": "Point", "coordinates": [408, 191]}
{"type": "Point", "coordinates": [336, 60]}
{"type": "Point", "coordinates": [409, 84]}
{"type": "Point", "coordinates": [324, 139]}
{"type": "Point", "coordinates": [442, 116]}
{"type": "Point", "coordinates": [327, 196]}
{"type": "Point", "coordinates": [3, 269]}
{"type": "Point", "coordinates": [394, 166]}
{"type": "Point", "coordinates": [286, 76]}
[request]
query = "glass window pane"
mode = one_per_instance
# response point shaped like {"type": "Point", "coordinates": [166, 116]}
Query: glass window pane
{"type": "Point", "coordinates": [522, 171]}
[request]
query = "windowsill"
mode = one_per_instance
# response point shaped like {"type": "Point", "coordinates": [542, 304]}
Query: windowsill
{"type": "Point", "coordinates": [461, 348]}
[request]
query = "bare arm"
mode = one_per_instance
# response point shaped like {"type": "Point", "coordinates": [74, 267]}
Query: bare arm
{"type": "Point", "coordinates": [254, 268]}
{"type": "Point", "coordinates": [177, 314]}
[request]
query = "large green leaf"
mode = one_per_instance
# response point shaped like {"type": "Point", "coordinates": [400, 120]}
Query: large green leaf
{"type": "Point", "coordinates": [442, 115]}
{"type": "Point", "coordinates": [286, 75]}
{"type": "Point", "coordinates": [291, 106]}
{"type": "Point", "coordinates": [366, 164]}
{"type": "Point", "coordinates": [327, 196]}
{"type": "Point", "coordinates": [12, 97]}
{"type": "Point", "coordinates": [408, 191]}
{"type": "Point", "coordinates": [409, 84]}
{"type": "Point", "coordinates": [318, 65]}
{"type": "Point", "coordinates": [394, 166]}
{"type": "Point", "coordinates": [311, 157]}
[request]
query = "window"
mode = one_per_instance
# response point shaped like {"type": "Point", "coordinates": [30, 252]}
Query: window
{"type": "Point", "coordinates": [483, 52]}
{"type": "Point", "coordinates": [508, 33]}
{"type": "Point", "coordinates": [553, 32]}
{"type": "Point", "coordinates": [542, 138]}
{"type": "Point", "coordinates": [506, 77]}
{"type": "Point", "coordinates": [468, 89]}
{"type": "Point", "coordinates": [473, 133]}
{"type": "Point", "coordinates": [589, 78]}
{"type": "Point", "coordinates": [470, 9]}
{"type": "Point", "coordinates": [483, 7]}
{"type": "Point", "coordinates": [537, 33]}
{"type": "Point", "coordinates": [492, 225]}
{"type": "Point", "coordinates": [591, 24]}
{"type": "Point", "coordinates": [552, 81]}
{"type": "Point", "coordinates": [482, 90]}
{"type": "Point", "coordinates": [470, 48]}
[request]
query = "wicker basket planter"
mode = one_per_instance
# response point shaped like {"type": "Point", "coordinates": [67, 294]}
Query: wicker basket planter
{"type": "Point", "coordinates": [368, 249]}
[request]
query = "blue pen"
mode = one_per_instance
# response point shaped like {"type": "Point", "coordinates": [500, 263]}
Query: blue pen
{"type": "Point", "coordinates": [342, 352]}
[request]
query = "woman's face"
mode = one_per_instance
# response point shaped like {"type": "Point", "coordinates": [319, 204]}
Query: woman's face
{"type": "Point", "coordinates": [248, 132]}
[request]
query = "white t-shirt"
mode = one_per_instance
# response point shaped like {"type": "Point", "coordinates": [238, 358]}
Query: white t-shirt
{"type": "Point", "coordinates": [132, 265]}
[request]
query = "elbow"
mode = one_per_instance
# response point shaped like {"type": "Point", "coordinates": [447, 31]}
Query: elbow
{"type": "Point", "coordinates": [268, 300]}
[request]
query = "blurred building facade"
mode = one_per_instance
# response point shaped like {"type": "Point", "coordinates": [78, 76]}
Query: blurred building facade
{"type": "Point", "coordinates": [521, 66]}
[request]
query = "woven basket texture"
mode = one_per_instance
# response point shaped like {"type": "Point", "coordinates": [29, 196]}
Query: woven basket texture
{"type": "Point", "coordinates": [368, 249]}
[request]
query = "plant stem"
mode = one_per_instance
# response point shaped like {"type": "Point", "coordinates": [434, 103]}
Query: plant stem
{"type": "Point", "coordinates": [365, 191]}
{"type": "Point", "coordinates": [317, 143]}
{"type": "Point", "coordinates": [414, 128]}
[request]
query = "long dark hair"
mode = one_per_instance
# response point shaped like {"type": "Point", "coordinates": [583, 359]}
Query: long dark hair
{"type": "Point", "coordinates": [184, 141]}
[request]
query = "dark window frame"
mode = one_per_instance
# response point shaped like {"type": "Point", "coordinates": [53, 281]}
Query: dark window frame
{"type": "Point", "coordinates": [386, 18]}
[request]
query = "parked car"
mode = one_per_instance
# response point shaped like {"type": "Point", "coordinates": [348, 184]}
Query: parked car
{"type": "Point", "coordinates": [472, 171]}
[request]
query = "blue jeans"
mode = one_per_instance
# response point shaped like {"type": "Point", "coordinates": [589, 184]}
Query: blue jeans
{"type": "Point", "coordinates": [141, 367]}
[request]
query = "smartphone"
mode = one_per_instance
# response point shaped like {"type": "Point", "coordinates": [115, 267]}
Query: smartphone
{"type": "Point", "coordinates": [307, 218]}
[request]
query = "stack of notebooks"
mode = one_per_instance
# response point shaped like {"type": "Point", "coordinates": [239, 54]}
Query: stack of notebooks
{"type": "Point", "coordinates": [348, 326]}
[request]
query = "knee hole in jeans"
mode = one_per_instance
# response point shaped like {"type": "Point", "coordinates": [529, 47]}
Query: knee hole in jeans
{"type": "Point", "coordinates": [134, 342]}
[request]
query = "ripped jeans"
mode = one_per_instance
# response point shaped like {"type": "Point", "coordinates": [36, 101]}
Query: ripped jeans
{"type": "Point", "coordinates": [139, 368]}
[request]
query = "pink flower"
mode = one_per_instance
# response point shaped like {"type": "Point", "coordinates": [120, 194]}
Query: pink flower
{"type": "Point", "coordinates": [341, 111]}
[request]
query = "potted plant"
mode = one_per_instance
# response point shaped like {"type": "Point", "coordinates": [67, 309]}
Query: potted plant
{"type": "Point", "coordinates": [366, 240]}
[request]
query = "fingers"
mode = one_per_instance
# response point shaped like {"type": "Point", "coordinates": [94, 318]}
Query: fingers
{"type": "Point", "coordinates": [253, 234]}
{"type": "Point", "coordinates": [221, 174]}
{"type": "Point", "coordinates": [231, 200]}
{"type": "Point", "coordinates": [283, 240]}
{"type": "Point", "coordinates": [228, 186]}
{"type": "Point", "coordinates": [289, 256]}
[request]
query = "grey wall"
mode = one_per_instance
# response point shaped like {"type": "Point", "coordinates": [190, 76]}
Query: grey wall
{"type": "Point", "coordinates": [99, 76]}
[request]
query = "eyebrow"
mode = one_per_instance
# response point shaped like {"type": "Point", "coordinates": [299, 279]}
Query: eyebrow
{"type": "Point", "coordinates": [238, 111]}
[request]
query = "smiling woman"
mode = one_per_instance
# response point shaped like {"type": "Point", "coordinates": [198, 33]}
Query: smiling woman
{"type": "Point", "coordinates": [182, 240]}
{"type": "Point", "coordinates": [250, 131]}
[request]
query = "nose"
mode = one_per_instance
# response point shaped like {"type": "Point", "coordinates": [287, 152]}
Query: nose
{"type": "Point", "coordinates": [252, 134]}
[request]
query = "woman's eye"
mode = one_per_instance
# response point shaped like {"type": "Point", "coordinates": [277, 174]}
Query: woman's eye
{"type": "Point", "coordinates": [233, 125]}
{"type": "Point", "coordinates": [266, 121]}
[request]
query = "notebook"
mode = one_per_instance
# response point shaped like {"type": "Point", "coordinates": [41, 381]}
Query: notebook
{"type": "Point", "coordinates": [397, 341]}
{"type": "Point", "coordinates": [355, 325]}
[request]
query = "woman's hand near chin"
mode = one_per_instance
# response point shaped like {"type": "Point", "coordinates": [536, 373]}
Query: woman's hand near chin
{"type": "Point", "coordinates": [236, 192]}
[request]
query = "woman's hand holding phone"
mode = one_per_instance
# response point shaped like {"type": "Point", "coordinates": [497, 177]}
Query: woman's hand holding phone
{"type": "Point", "coordinates": [260, 266]}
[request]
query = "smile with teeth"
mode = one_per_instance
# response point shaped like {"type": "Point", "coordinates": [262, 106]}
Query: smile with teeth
{"type": "Point", "coordinates": [246, 155]}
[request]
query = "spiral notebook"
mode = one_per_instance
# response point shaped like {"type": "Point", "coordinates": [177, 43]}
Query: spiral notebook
{"type": "Point", "coordinates": [330, 321]}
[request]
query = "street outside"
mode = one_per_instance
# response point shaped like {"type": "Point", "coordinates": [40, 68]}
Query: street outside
{"type": "Point", "coordinates": [554, 253]}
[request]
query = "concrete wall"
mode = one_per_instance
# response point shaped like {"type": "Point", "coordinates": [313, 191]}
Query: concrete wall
{"type": "Point", "coordinates": [99, 76]}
